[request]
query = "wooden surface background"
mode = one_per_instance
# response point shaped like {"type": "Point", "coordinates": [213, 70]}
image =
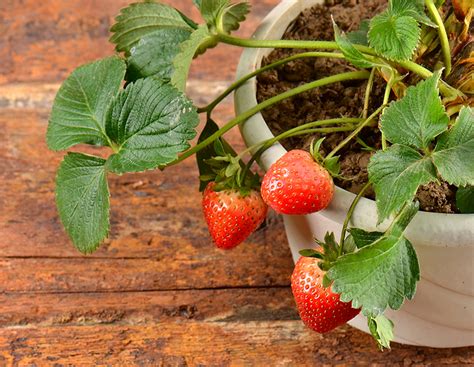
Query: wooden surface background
{"type": "Point", "coordinates": [158, 292]}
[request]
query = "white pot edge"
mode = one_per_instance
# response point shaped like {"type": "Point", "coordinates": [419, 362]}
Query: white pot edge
{"type": "Point", "coordinates": [438, 230]}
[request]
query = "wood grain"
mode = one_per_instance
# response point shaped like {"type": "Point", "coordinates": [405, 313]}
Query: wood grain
{"type": "Point", "coordinates": [157, 293]}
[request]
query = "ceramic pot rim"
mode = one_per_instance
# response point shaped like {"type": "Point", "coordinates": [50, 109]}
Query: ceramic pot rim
{"type": "Point", "coordinates": [429, 229]}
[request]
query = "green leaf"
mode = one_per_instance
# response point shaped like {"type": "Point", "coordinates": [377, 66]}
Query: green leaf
{"type": "Point", "coordinates": [151, 122]}
{"type": "Point", "coordinates": [396, 174]}
{"type": "Point", "coordinates": [382, 274]}
{"type": "Point", "coordinates": [465, 199]}
{"type": "Point", "coordinates": [417, 118]}
{"type": "Point", "coordinates": [311, 253]}
{"type": "Point", "coordinates": [454, 153]}
{"type": "Point", "coordinates": [204, 156]}
{"type": "Point", "coordinates": [154, 54]}
{"type": "Point", "coordinates": [80, 106]}
{"type": "Point", "coordinates": [360, 36]}
{"type": "Point", "coordinates": [210, 9]}
{"type": "Point", "coordinates": [381, 329]}
{"type": "Point", "coordinates": [198, 42]}
{"type": "Point", "coordinates": [333, 166]}
{"type": "Point", "coordinates": [349, 51]}
{"type": "Point", "coordinates": [141, 19]}
{"type": "Point", "coordinates": [82, 197]}
{"type": "Point", "coordinates": [394, 36]}
{"type": "Point", "coordinates": [233, 15]}
{"type": "Point", "coordinates": [412, 8]}
{"type": "Point", "coordinates": [197, 3]}
{"type": "Point", "coordinates": [363, 238]}
{"type": "Point", "coordinates": [221, 12]}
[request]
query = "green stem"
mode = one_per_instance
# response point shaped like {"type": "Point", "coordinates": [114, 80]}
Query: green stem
{"type": "Point", "coordinates": [237, 84]}
{"type": "Point", "coordinates": [256, 43]}
{"type": "Point", "coordinates": [299, 130]}
{"type": "Point", "coordinates": [353, 75]}
{"type": "Point", "coordinates": [445, 89]}
{"type": "Point", "coordinates": [386, 97]}
{"type": "Point", "coordinates": [349, 216]}
{"type": "Point", "coordinates": [443, 36]}
{"type": "Point", "coordinates": [354, 133]}
{"type": "Point", "coordinates": [368, 91]}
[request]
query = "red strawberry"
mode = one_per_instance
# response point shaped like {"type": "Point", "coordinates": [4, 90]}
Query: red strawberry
{"type": "Point", "coordinates": [231, 217]}
{"type": "Point", "coordinates": [297, 184]}
{"type": "Point", "coordinates": [319, 308]}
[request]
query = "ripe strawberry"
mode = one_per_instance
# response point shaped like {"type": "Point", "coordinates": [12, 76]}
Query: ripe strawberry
{"type": "Point", "coordinates": [319, 308]}
{"type": "Point", "coordinates": [231, 217]}
{"type": "Point", "coordinates": [297, 184]}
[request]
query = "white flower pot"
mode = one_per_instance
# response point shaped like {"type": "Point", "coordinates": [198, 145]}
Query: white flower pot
{"type": "Point", "coordinates": [442, 312]}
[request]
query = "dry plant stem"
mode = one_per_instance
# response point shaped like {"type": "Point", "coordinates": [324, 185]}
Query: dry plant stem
{"type": "Point", "coordinates": [443, 36]}
{"type": "Point", "coordinates": [355, 132]}
{"type": "Point", "coordinates": [349, 216]}
{"type": "Point", "coordinates": [237, 84]}
{"type": "Point", "coordinates": [353, 75]}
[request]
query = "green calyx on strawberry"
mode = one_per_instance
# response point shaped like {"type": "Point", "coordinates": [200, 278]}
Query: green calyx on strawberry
{"type": "Point", "coordinates": [232, 204]}
{"type": "Point", "coordinates": [297, 184]}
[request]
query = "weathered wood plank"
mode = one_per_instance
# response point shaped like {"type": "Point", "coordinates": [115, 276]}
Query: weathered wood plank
{"type": "Point", "coordinates": [95, 275]}
{"type": "Point", "coordinates": [258, 343]}
{"type": "Point", "coordinates": [237, 305]}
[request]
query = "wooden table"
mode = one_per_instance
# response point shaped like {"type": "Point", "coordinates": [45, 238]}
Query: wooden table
{"type": "Point", "coordinates": [157, 292]}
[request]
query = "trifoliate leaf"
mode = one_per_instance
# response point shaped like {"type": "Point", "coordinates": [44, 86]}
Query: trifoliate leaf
{"type": "Point", "coordinates": [412, 8]}
{"type": "Point", "coordinates": [141, 19]}
{"type": "Point", "coordinates": [363, 238]}
{"type": "Point", "coordinates": [381, 329]}
{"type": "Point", "coordinates": [379, 275]}
{"type": "Point", "coordinates": [360, 36]}
{"type": "Point", "coordinates": [396, 174]}
{"type": "Point", "coordinates": [219, 148]}
{"type": "Point", "coordinates": [417, 118]}
{"type": "Point", "coordinates": [350, 52]}
{"type": "Point", "coordinates": [151, 122]}
{"type": "Point", "coordinates": [465, 199]}
{"type": "Point", "coordinates": [454, 152]}
{"type": "Point", "coordinates": [199, 41]}
{"type": "Point", "coordinates": [154, 54]}
{"type": "Point", "coordinates": [394, 36]}
{"type": "Point", "coordinates": [82, 197]}
{"type": "Point", "coordinates": [80, 106]}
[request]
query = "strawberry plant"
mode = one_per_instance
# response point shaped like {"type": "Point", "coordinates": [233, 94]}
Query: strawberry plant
{"type": "Point", "coordinates": [423, 51]}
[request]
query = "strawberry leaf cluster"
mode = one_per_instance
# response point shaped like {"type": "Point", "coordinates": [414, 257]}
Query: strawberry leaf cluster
{"type": "Point", "coordinates": [147, 123]}
{"type": "Point", "coordinates": [412, 124]}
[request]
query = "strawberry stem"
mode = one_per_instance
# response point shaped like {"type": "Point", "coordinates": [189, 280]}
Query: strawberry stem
{"type": "Point", "coordinates": [368, 91]}
{"type": "Point", "coordinates": [237, 84]}
{"type": "Point", "coordinates": [443, 36]}
{"type": "Point", "coordinates": [349, 216]}
{"type": "Point", "coordinates": [445, 89]}
{"type": "Point", "coordinates": [353, 75]}
{"type": "Point", "coordinates": [308, 128]}
{"type": "Point", "coordinates": [355, 132]}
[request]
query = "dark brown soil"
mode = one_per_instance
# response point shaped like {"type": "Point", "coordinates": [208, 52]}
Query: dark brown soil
{"type": "Point", "coordinates": [336, 100]}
